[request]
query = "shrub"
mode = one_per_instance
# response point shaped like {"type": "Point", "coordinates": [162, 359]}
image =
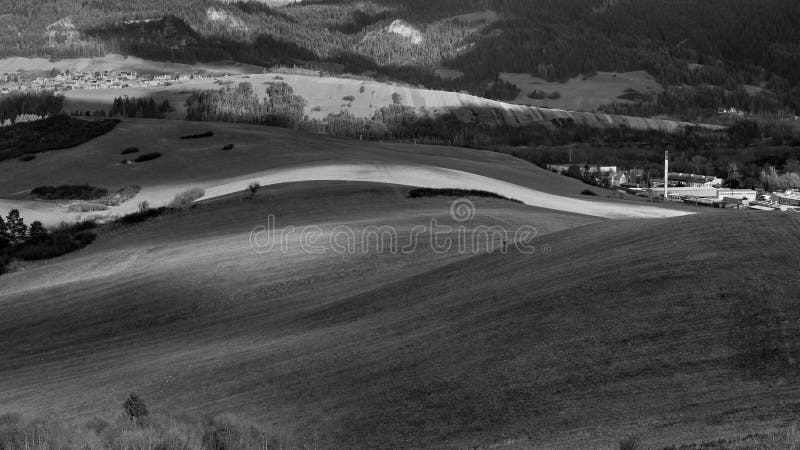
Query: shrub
{"type": "Point", "coordinates": [198, 136]}
{"type": "Point", "coordinates": [362, 89]}
{"type": "Point", "coordinates": [430, 192]}
{"type": "Point", "coordinates": [555, 95]}
{"type": "Point", "coordinates": [537, 95]}
{"type": "Point", "coordinates": [143, 205]}
{"type": "Point", "coordinates": [185, 199]}
{"type": "Point", "coordinates": [588, 192]}
{"type": "Point", "coordinates": [76, 227]}
{"type": "Point", "coordinates": [147, 157]}
{"type": "Point", "coordinates": [135, 407]}
{"type": "Point", "coordinates": [397, 98]}
{"type": "Point", "coordinates": [130, 150]}
{"type": "Point", "coordinates": [69, 192]}
{"type": "Point", "coordinates": [54, 245]}
{"type": "Point", "coordinates": [142, 215]}
{"type": "Point", "coordinates": [349, 98]}
{"type": "Point", "coordinates": [228, 147]}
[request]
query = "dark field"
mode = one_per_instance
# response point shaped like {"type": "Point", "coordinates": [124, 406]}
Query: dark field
{"type": "Point", "coordinates": [669, 331]}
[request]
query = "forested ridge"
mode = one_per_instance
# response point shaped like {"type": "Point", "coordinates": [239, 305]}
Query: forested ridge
{"type": "Point", "coordinates": [709, 51]}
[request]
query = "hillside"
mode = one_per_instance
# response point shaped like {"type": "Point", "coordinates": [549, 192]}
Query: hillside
{"type": "Point", "coordinates": [707, 54]}
{"type": "Point", "coordinates": [364, 98]}
{"type": "Point", "coordinates": [274, 155]}
{"type": "Point", "coordinates": [656, 329]}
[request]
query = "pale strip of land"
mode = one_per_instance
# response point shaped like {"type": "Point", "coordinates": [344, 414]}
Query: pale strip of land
{"type": "Point", "coordinates": [439, 178]}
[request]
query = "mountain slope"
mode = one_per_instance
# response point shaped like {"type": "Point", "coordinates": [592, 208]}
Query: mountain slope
{"type": "Point", "coordinates": [729, 46]}
{"type": "Point", "coordinates": [271, 155]}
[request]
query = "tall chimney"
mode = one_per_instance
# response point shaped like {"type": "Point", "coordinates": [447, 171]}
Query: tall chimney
{"type": "Point", "coordinates": [666, 172]}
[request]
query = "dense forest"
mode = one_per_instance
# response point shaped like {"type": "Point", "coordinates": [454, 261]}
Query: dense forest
{"type": "Point", "coordinates": [53, 133]}
{"type": "Point", "coordinates": [36, 103]}
{"type": "Point", "coordinates": [710, 51]}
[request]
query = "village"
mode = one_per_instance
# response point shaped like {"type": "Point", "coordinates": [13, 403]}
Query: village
{"type": "Point", "coordinates": [61, 82]}
{"type": "Point", "coordinates": [699, 190]}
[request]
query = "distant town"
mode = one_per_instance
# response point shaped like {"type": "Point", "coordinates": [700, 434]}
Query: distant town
{"type": "Point", "coordinates": [108, 79]}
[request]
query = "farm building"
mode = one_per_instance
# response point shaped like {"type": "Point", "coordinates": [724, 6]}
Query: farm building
{"type": "Point", "coordinates": [692, 180]}
{"type": "Point", "coordinates": [709, 195]}
{"type": "Point", "coordinates": [558, 168]}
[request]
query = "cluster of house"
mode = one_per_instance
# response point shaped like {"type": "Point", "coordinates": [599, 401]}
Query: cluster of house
{"type": "Point", "coordinates": [633, 179]}
{"type": "Point", "coordinates": [681, 187]}
{"type": "Point", "coordinates": [88, 80]}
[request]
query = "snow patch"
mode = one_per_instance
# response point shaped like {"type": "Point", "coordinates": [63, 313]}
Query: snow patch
{"type": "Point", "coordinates": [224, 17]}
{"type": "Point", "coordinates": [61, 32]}
{"type": "Point", "coordinates": [403, 28]}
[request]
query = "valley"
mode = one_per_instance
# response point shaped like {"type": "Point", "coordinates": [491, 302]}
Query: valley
{"type": "Point", "coordinates": [502, 224]}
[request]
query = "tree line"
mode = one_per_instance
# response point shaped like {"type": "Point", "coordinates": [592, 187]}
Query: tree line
{"type": "Point", "coordinates": [241, 103]}
{"type": "Point", "coordinates": [44, 103]}
{"type": "Point", "coordinates": [139, 108]}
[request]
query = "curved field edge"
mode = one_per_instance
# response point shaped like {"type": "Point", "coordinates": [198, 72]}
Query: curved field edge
{"type": "Point", "coordinates": [201, 163]}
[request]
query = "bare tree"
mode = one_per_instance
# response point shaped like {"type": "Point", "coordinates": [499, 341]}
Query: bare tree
{"type": "Point", "coordinates": [253, 187]}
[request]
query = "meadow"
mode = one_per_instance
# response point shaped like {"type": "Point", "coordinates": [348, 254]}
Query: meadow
{"type": "Point", "coordinates": [275, 155]}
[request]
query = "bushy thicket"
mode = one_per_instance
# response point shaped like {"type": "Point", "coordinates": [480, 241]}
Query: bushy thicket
{"type": "Point", "coordinates": [142, 215]}
{"type": "Point", "coordinates": [55, 132]}
{"type": "Point", "coordinates": [185, 199]}
{"type": "Point", "coordinates": [431, 192]}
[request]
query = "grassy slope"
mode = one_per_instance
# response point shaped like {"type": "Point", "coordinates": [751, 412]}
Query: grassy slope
{"type": "Point", "coordinates": [256, 148]}
{"type": "Point", "coordinates": [200, 162]}
{"type": "Point", "coordinates": [673, 330]}
{"type": "Point", "coordinates": [164, 307]}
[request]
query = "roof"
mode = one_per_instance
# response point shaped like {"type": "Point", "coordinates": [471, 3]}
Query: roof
{"type": "Point", "coordinates": [792, 195]}
{"type": "Point", "coordinates": [690, 177]}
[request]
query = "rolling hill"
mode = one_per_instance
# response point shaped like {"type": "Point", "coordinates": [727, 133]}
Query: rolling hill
{"type": "Point", "coordinates": [275, 155]}
{"type": "Point", "coordinates": [363, 98]}
{"type": "Point", "coordinates": [659, 329]}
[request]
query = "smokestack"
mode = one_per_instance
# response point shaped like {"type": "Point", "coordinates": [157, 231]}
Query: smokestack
{"type": "Point", "coordinates": [666, 172]}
